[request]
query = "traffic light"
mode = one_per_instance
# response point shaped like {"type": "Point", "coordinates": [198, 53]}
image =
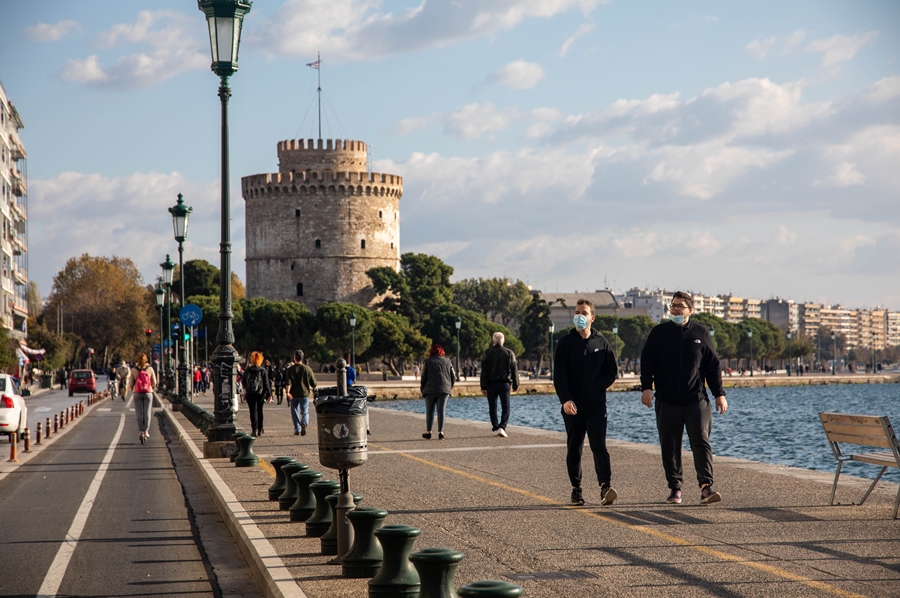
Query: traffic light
{"type": "Point", "coordinates": [187, 336]}
{"type": "Point", "coordinates": [148, 332]}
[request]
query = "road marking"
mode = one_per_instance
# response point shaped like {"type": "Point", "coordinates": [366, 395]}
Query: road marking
{"type": "Point", "coordinates": [104, 408]}
{"type": "Point", "coordinates": [644, 530]}
{"type": "Point", "coordinates": [59, 565]}
{"type": "Point", "coordinates": [468, 448]}
{"type": "Point", "coordinates": [42, 409]}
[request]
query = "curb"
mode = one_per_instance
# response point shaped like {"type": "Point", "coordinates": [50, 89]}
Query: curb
{"type": "Point", "coordinates": [268, 569]}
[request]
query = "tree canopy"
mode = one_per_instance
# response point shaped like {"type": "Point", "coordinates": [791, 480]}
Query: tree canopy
{"type": "Point", "coordinates": [421, 285]}
{"type": "Point", "coordinates": [497, 298]}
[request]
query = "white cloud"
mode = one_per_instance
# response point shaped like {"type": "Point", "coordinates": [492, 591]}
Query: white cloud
{"type": "Point", "coordinates": [411, 124]}
{"type": "Point", "coordinates": [786, 236]}
{"type": "Point", "coordinates": [845, 175]}
{"type": "Point", "coordinates": [762, 47]}
{"type": "Point", "coordinates": [51, 32]}
{"type": "Point", "coordinates": [581, 31]}
{"type": "Point", "coordinates": [360, 30]}
{"type": "Point", "coordinates": [840, 48]}
{"type": "Point", "coordinates": [884, 89]}
{"type": "Point", "coordinates": [173, 49]}
{"type": "Point", "coordinates": [475, 120]}
{"type": "Point", "coordinates": [518, 75]}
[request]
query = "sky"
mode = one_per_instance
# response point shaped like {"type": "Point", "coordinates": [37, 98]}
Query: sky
{"type": "Point", "coordinates": [744, 148]}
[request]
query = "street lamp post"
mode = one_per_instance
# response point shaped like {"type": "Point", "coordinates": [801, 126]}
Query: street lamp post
{"type": "Point", "coordinates": [750, 343]}
{"type": "Point", "coordinates": [160, 302]}
{"type": "Point", "coordinates": [552, 330]}
{"type": "Point", "coordinates": [458, 327]}
{"type": "Point", "coordinates": [353, 341]}
{"type": "Point", "coordinates": [224, 19]}
{"type": "Point", "coordinates": [180, 214]}
{"type": "Point", "coordinates": [168, 267]}
{"type": "Point", "coordinates": [789, 352]}
{"type": "Point", "coordinates": [833, 354]}
{"type": "Point", "coordinates": [873, 353]}
{"type": "Point", "coordinates": [615, 332]}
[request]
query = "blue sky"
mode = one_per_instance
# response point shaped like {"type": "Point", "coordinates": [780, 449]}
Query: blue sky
{"type": "Point", "coordinates": [749, 148]}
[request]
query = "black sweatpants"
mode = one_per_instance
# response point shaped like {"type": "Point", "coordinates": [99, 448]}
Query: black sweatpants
{"type": "Point", "coordinates": [255, 407]}
{"type": "Point", "coordinates": [498, 390]}
{"type": "Point", "coordinates": [671, 421]}
{"type": "Point", "coordinates": [591, 420]}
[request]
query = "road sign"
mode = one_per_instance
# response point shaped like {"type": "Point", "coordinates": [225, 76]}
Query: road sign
{"type": "Point", "coordinates": [190, 314]}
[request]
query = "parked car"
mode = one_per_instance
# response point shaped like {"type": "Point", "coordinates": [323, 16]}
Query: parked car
{"type": "Point", "coordinates": [82, 381]}
{"type": "Point", "coordinates": [13, 411]}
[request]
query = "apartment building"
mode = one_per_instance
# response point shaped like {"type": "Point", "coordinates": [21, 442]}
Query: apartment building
{"type": "Point", "coordinates": [562, 306]}
{"type": "Point", "coordinates": [809, 317]}
{"type": "Point", "coordinates": [654, 302]}
{"type": "Point", "coordinates": [709, 304]}
{"type": "Point", "coordinates": [732, 309]}
{"type": "Point", "coordinates": [893, 328]}
{"type": "Point", "coordinates": [841, 321]}
{"type": "Point", "coordinates": [14, 214]}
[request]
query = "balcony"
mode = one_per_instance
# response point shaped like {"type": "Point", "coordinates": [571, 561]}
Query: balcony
{"type": "Point", "coordinates": [17, 151]}
{"type": "Point", "coordinates": [18, 244]}
{"type": "Point", "coordinates": [18, 210]}
{"type": "Point", "coordinates": [19, 277]}
{"type": "Point", "coordinates": [19, 188]}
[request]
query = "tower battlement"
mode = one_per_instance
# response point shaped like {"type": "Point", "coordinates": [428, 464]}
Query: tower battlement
{"type": "Point", "coordinates": [323, 154]}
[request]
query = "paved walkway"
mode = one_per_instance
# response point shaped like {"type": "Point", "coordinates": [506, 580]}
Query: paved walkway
{"type": "Point", "coordinates": [504, 503]}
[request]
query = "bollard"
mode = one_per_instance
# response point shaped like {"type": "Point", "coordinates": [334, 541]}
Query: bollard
{"type": "Point", "coordinates": [26, 439]}
{"type": "Point", "coordinates": [237, 448]}
{"type": "Point", "coordinates": [320, 520]}
{"type": "Point", "coordinates": [289, 496]}
{"type": "Point", "coordinates": [305, 504]}
{"type": "Point", "coordinates": [37, 439]}
{"type": "Point", "coordinates": [56, 423]}
{"type": "Point", "coordinates": [277, 486]}
{"type": "Point", "coordinates": [13, 440]}
{"type": "Point", "coordinates": [365, 555]}
{"type": "Point", "coordinates": [437, 569]}
{"type": "Point", "coordinates": [328, 541]}
{"type": "Point", "coordinates": [246, 458]}
{"type": "Point", "coordinates": [48, 427]}
{"type": "Point", "coordinates": [397, 578]}
{"type": "Point", "coordinates": [490, 588]}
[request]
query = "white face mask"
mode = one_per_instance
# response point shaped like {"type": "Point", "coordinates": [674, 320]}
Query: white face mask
{"type": "Point", "coordinates": [580, 321]}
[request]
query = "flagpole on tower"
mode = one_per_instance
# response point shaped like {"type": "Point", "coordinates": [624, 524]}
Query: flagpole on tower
{"type": "Point", "coordinates": [319, 91]}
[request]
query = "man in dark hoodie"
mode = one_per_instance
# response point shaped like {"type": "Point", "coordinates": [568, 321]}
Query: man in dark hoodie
{"type": "Point", "coordinates": [585, 368]}
{"type": "Point", "coordinates": [499, 372]}
{"type": "Point", "coordinates": [679, 360]}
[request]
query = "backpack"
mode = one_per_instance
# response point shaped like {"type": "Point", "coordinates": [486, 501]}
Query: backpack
{"type": "Point", "coordinates": [253, 382]}
{"type": "Point", "coordinates": [142, 383]}
{"type": "Point", "coordinates": [279, 375]}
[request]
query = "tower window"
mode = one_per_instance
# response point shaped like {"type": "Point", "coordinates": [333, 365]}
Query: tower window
{"type": "Point", "coordinates": [379, 214]}
{"type": "Point", "coordinates": [392, 245]}
{"type": "Point", "coordinates": [292, 265]}
{"type": "Point", "coordinates": [318, 244]}
{"type": "Point", "coordinates": [299, 289]}
{"type": "Point", "coordinates": [297, 212]}
{"type": "Point", "coordinates": [362, 244]}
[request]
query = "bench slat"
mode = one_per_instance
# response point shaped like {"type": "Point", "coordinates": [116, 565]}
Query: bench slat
{"type": "Point", "coordinates": [882, 441]}
{"type": "Point", "coordinates": [884, 459]}
{"type": "Point", "coordinates": [855, 429]}
{"type": "Point", "coordinates": [848, 418]}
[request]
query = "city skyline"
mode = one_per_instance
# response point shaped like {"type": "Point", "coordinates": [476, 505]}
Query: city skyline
{"type": "Point", "coordinates": [733, 149]}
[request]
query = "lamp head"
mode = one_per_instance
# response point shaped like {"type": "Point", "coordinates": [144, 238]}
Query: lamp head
{"type": "Point", "coordinates": [224, 19]}
{"type": "Point", "coordinates": [552, 327]}
{"type": "Point", "coordinates": [458, 323]}
{"type": "Point", "coordinates": [749, 334]}
{"type": "Point", "coordinates": [168, 267]}
{"type": "Point", "coordinates": [180, 213]}
{"type": "Point", "coordinates": [160, 296]}
{"type": "Point", "coordinates": [353, 321]}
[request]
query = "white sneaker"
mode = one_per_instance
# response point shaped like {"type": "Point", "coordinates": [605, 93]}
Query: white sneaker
{"type": "Point", "coordinates": [502, 432]}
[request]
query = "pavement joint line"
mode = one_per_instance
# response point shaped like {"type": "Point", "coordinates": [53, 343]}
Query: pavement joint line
{"type": "Point", "coordinates": [269, 570]}
{"type": "Point", "coordinates": [718, 554]}
{"type": "Point", "coordinates": [60, 564]}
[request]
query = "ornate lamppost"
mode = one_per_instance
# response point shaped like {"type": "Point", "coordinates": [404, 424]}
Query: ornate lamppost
{"type": "Point", "coordinates": [168, 267]}
{"type": "Point", "coordinates": [458, 327]}
{"type": "Point", "coordinates": [180, 214]}
{"type": "Point", "coordinates": [552, 329]}
{"type": "Point", "coordinates": [789, 353]}
{"type": "Point", "coordinates": [873, 353]}
{"type": "Point", "coordinates": [833, 354]}
{"type": "Point", "coordinates": [353, 342]}
{"type": "Point", "coordinates": [750, 343]}
{"type": "Point", "coordinates": [615, 332]}
{"type": "Point", "coordinates": [224, 19]}
{"type": "Point", "coordinates": [160, 303]}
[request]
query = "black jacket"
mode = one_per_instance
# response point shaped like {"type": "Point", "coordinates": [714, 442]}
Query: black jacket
{"type": "Point", "coordinates": [499, 365]}
{"type": "Point", "coordinates": [438, 376]}
{"type": "Point", "coordinates": [267, 385]}
{"type": "Point", "coordinates": [679, 361]}
{"type": "Point", "coordinates": [583, 368]}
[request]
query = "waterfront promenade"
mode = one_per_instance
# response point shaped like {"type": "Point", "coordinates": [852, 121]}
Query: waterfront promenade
{"type": "Point", "coordinates": [504, 503]}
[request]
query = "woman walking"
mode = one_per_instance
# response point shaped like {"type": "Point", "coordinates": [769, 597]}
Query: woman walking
{"type": "Point", "coordinates": [438, 378]}
{"type": "Point", "coordinates": [257, 389]}
{"type": "Point", "coordinates": [141, 383]}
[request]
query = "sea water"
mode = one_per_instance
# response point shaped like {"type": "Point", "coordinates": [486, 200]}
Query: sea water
{"type": "Point", "coordinates": [778, 425]}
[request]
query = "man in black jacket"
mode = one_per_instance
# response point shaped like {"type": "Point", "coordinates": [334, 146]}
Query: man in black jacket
{"type": "Point", "coordinates": [585, 368]}
{"type": "Point", "coordinates": [498, 372]}
{"type": "Point", "coordinates": [679, 359]}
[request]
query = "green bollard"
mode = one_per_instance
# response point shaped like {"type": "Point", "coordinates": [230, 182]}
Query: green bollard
{"type": "Point", "coordinates": [320, 520]}
{"type": "Point", "coordinates": [277, 486]}
{"type": "Point", "coordinates": [397, 578]}
{"type": "Point", "coordinates": [490, 588]}
{"type": "Point", "coordinates": [365, 556]}
{"type": "Point", "coordinates": [289, 495]}
{"type": "Point", "coordinates": [237, 447]}
{"type": "Point", "coordinates": [305, 504]}
{"type": "Point", "coordinates": [437, 569]}
{"type": "Point", "coordinates": [246, 458]}
{"type": "Point", "coordinates": [328, 540]}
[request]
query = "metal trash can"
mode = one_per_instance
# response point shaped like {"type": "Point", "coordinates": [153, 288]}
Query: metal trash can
{"type": "Point", "coordinates": [46, 381]}
{"type": "Point", "coordinates": [341, 424]}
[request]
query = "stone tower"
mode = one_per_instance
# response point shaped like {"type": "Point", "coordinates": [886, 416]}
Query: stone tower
{"type": "Point", "coordinates": [318, 224]}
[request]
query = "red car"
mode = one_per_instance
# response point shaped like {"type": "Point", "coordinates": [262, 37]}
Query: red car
{"type": "Point", "coordinates": [82, 381]}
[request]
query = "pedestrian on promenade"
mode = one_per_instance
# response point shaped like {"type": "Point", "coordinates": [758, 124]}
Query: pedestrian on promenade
{"type": "Point", "coordinates": [198, 380]}
{"type": "Point", "coordinates": [257, 390]}
{"type": "Point", "coordinates": [278, 379]}
{"type": "Point", "coordinates": [498, 373]}
{"type": "Point", "coordinates": [141, 382]}
{"type": "Point", "coordinates": [679, 360]}
{"type": "Point", "coordinates": [585, 367]}
{"type": "Point", "coordinates": [350, 371]}
{"type": "Point", "coordinates": [299, 384]}
{"type": "Point", "coordinates": [416, 371]}
{"type": "Point", "coordinates": [123, 375]}
{"type": "Point", "coordinates": [437, 381]}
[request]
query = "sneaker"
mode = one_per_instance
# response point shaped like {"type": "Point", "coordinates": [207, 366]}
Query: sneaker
{"type": "Point", "coordinates": [297, 433]}
{"type": "Point", "coordinates": [577, 497]}
{"type": "Point", "coordinates": [608, 495]}
{"type": "Point", "coordinates": [674, 497]}
{"type": "Point", "coordinates": [142, 438]}
{"type": "Point", "coordinates": [708, 495]}
{"type": "Point", "coordinates": [427, 435]}
{"type": "Point", "coordinates": [502, 432]}
{"type": "Point", "coordinates": [302, 429]}
{"type": "Point", "coordinates": [441, 435]}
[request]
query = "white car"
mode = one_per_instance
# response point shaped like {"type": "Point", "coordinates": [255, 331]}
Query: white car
{"type": "Point", "coordinates": [13, 412]}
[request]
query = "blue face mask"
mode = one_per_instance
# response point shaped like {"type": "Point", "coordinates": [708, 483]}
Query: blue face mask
{"type": "Point", "coordinates": [677, 319]}
{"type": "Point", "coordinates": [581, 322]}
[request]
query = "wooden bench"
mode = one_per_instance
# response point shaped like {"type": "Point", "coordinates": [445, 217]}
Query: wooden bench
{"type": "Point", "coordinates": [862, 430]}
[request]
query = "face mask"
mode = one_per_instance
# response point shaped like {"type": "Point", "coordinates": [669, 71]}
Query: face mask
{"type": "Point", "coordinates": [677, 319]}
{"type": "Point", "coordinates": [581, 322]}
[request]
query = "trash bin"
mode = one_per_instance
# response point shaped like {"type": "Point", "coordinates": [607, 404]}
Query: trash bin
{"type": "Point", "coordinates": [341, 423]}
{"type": "Point", "coordinates": [46, 381]}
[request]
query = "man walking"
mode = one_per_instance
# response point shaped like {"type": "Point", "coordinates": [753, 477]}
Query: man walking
{"type": "Point", "coordinates": [585, 368]}
{"type": "Point", "coordinates": [498, 373]}
{"type": "Point", "coordinates": [679, 360]}
{"type": "Point", "coordinates": [299, 382]}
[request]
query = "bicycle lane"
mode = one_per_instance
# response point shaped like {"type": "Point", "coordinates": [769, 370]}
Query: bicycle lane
{"type": "Point", "coordinates": [75, 526]}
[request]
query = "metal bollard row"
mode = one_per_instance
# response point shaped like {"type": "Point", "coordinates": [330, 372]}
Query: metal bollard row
{"type": "Point", "coordinates": [37, 439]}
{"type": "Point", "coordinates": [13, 448]}
{"type": "Point", "coordinates": [26, 440]}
